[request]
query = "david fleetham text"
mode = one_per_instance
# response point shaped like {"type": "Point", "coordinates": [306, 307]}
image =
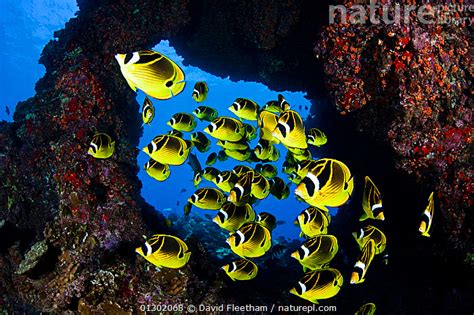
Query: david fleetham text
{"type": "Point", "coordinates": [264, 308]}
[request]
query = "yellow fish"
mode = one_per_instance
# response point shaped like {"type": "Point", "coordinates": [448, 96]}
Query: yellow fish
{"type": "Point", "coordinates": [277, 106]}
{"type": "Point", "coordinates": [148, 111]}
{"type": "Point", "coordinates": [316, 137]}
{"type": "Point", "coordinates": [264, 149]}
{"type": "Point", "coordinates": [210, 173]}
{"type": "Point", "coordinates": [207, 199]}
{"type": "Point", "coordinates": [317, 252]}
{"type": "Point", "coordinates": [226, 180]}
{"type": "Point", "coordinates": [239, 155]}
{"type": "Point", "coordinates": [167, 149]}
{"type": "Point", "coordinates": [319, 285]}
{"type": "Point", "coordinates": [278, 188]}
{"type": "Point", "coordinates": [328, 184]}
{"type": "Point", "coordinates": [200, 91]}
{"type": "Point", "coordinates": [158, 171]}
{"type": "Point", "coordinates": [193, 162]}
{"type": "Point", "coordinates": [366, 309]}
{"type": "Point", "coordinates": [152, 72]}
{"type": "Point", "coordinates": [211, 159]}
{"type": "Point", "coordinates": [370, 232]}
{"type": "Point", "coordinates": [165, 251]}
{"type": "Point", "coordinates": [241, 169]}
{"type": "Point", "coordinates": [267, 122]}
{"type": "Point", "coordinates": [244, 109]}
{"type": "Point", "coordinates": [182, 122]}
{"type": "Point", "coordinates": [290, 130]}
{"type": "Point", "coordinates": [304, 156]}
{"type": "Point", "coordinates": [427, 217]}
{"type": "Point", "coordinates": [200, 141]}
{"type": "Point", "coordinates": [231, 217]}
{"type": "Point", "coordinates": [101, 146]}
{"type": "Point", "coordinates": [362, 265]}
{"type": "Point", "coordinates": [205, 113]}
{"type": "Point", "coordinates": [226, 129]}
{"type": "Point", "coordinates": [313, 221]}
{"type": "Point", "coordinates": [268, 220]}
{"type": "Point", "coordinates": [267, 170]}
{"type": "Point", "coordinates": [260, 187]}
{"type": "Point", "coordinates": [371, 202]}
{"type": "Point", "coordinates": [250, 132]}
{"type": "Point", "coordinates": [242, 189]}
{"type": "Point", "coordinates": [242, 269]}
{"type": "Point", "coordinates": [250, 240]}
{"type": "Point", "coordinates": [239, 145]}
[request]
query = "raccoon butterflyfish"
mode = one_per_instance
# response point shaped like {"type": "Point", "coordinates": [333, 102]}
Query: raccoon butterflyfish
{"type": "Point", "coordinates": [313, 221]}
{"type": "Point", "coordinates": [222, 156]}
{"type": "Point", "coordinates": [158, 171]}
{"type": "Point", "coordinates": [290, 130]}
{"type": "Point", "coordinates": [267, 170]}
{"type": "Point", "coordinates": [168, 149]}
{"type": "Point", "coordinates": [200, 141]}
{"type": "Point", "coordinates": [290, 165]}
{"type": "Point", "coordinates": [329, 183]}
{"type": "Point", "coordinates": [101, 146]}
{"type": "Point", "coordinates": [250, 132]}
{"type": "Point", "coordinates": [242, 188]}
{"type": "Point", "coordinates": [319, 285]}
{"type": "Point", "coordinates": [242, 269]}
{"type": "Point", "coordinates": [226, 180]}
{"type": "Point", "coordinates": [165, 251]}
{"type": "Point", "coordinates": [278, 188]}
{"type": "Point", "coordinates": [371, 202]}
{"type": "Point", "coordinates": [427, 217]}
{"type": "Point", "coordinates": [282, 103]}
{"type": "Point", "coordinates": [370, 232]}
{"type": "Point", "coordinates": [306, 155]}
{"type": "Point", "coordinates": [303, 167]}
{"type": "Point", "coordinates": [296, 151]}
{"type": "Point", "coordinates": [317, 252]}
{"type": "Point", "coordinates": [187, 208]}
{"type": "Point", "coordinates": [316, 137]}
{"type": "Point", "coordinates": [205, 113]}
{"type": "Point", "coordinates": [239, 155]}
{"type": "Point", "coordinates": [296, 179]}
{"type": "Point", "coordinates": [260, 188]}
{"type": "Point", "coordinates": [244, 109]}
{"type": "Point", "coordinates": [148, 111]}
{"type": "Point", "coordinates": [250, 240]}
{"type": "Point", "coordinates": [210, 173]}
{"type": "Point", "coordinates": [239, 145]}
{"type": "Point", "coordinates": [231, 217]}
{"type": "Point", "coordinates": [362, 265]}
{"type": "Point", "coordinates": [272, 106]}
{"type": "Point", "coordinates": [207, 199]}
{"type": "Point", "coordinates": [152, 72]}
{"type": "Point", "coordinates": [211, 159]}
{"type": "Point", "coordinates": [266, 219]}
{"type": "Point", "coordinates": [200, 91]}
{"type": "Point", "coordinates": [175, 133]}
{"type": "Point", "coordinates": [241, 169]}
{"type": "Point", "coordinates": [196, 167]}
{"type": "Point", "coordinates": [182, 122]}
{"type": "Point", "coordinates": [267, 122]}
{"type": "Point", "coordinates": [226, 128]}
{"type": "Point", "coordinates": [366, 309]}
{"type": "Point", "coordinates": [264, 149]}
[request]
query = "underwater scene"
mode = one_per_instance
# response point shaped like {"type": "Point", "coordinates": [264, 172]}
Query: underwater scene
{"type": "Point", "coordinates": [236, 157]}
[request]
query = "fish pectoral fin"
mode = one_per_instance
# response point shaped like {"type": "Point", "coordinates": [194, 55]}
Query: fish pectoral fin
{"type": "Point", "coordinates": [305, 269]}
{"type": "Point", "coordinates": [363, 217]}
{"type": "Point", "coordinates": [426, 234]}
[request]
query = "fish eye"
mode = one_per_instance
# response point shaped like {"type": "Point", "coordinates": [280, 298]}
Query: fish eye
{"type": "Point", "coordinates": [300, 252]}
{"type": "Point", "coordinates": [310, 187]}
{"type": "Point", "coordinates": [150, 148]}
{"type": "Point", "coordinates": [169, 83]}
{"type": "Point", "coordinates": [128, 57]}
{"type": "Point", "coordinates": [235, 106]}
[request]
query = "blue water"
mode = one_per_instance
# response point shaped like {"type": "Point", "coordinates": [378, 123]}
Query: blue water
{"type": "Point", "coordinates": [26, 26]}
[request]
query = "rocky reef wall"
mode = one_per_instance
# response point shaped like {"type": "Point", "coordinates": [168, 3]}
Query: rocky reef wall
{"type": "Point", "coordinates": [69, 224]}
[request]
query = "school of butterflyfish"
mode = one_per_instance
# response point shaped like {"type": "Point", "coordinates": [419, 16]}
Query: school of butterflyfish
{"type": "Point", "coordinates": [320, 184]}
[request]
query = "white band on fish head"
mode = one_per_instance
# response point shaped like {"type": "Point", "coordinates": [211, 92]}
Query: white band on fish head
{"type": "Point", "coordinates": [135, 58]}
{"type": "Point", "coordinates": [226, 216]}
{"type": "Point", "coordinates": [149, 250]}
{"type": "Point", "coordinates": [306, 251]}
{"type": "Point", "coordinates": [241, 236]}
{"type": "Point", "coordinates": [303, 287]}
{"type": "Point", "coordinates": [315, 181]}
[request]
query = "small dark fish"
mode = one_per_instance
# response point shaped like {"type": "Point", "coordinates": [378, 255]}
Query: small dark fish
{"type": "Point", "coordinates": [277, 251]}
{"type": "Point", "coordinates": [7, 110]}
{"type": "Point", "coordinates": [280, 222]}
{"type": "Point", "coordinates": [301, 107]}
{"type": "Point", "coordinates": [177, 203]}
{"type": "Point", "coordinates": [183, 190]}
{"type": "Point", "coordinates": [306, 107]}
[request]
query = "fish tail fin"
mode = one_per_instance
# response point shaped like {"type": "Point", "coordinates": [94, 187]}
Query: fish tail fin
{"type": "Point", "coordinates": [363, 217]}
{"type": "Point", "coordinates": [426, 234]}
